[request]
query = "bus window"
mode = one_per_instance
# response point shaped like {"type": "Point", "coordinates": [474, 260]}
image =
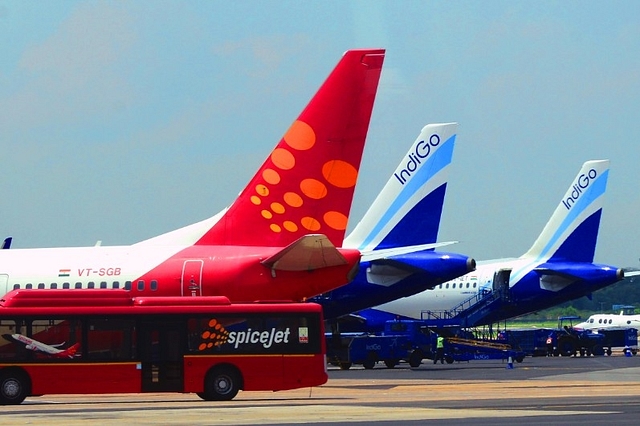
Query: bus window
{"type": "Point", "coordinates": [110, 339]}
{"type": "Point", "coordinates": [46, 339]}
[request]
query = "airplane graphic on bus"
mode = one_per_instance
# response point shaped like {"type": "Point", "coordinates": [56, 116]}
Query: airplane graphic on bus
{"type": "Point", "coordinates": [36, 346]}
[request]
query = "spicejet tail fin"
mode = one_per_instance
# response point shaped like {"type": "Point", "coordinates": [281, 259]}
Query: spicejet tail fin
{"type": "Point", "coordinates": [307, 183]}
{"type": "Point", "coordinates": [306, 254]}
{"type": "Point", "coordinates": [70, 352]}
{"type": "Point", "coordinates": [572, 231]}
{"type": "Point", "coordinates": [407, 212]}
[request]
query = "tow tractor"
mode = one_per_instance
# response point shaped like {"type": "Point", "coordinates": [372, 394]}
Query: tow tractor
{"type": "Point", "coordinates": [570, 341]}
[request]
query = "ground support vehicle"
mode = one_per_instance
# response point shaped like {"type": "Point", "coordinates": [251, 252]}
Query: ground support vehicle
{"type": "Point", "coordinates": [531, 341]}
{"type": "Point", "coordinates": [406, 341]}
{"type": "Point", "coordinates": [571, 342]}
{"type": "Point", "coordinates": [410, 341]}
{"type": "Point", "coordinates": [564, 340]}
{"type": "Point", "coordinates": [457, 349]}
{"type": "Point", "coordinates": [620, 338]}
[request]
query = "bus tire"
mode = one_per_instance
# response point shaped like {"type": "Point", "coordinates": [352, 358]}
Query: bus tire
{"type": "Point", "coordinates": [345, 365]}
{"type": "Point", "coordinates": [221, 384]}
{"type": "Point", "coordinates": [14, 386]}
{"type": "Point", "coordinates": [369, 363]}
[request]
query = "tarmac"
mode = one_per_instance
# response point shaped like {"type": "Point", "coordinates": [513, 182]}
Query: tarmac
{"type": "Point", "coordinates": [558, 391]}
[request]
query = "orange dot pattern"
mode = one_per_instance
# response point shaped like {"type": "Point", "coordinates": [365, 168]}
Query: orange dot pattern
{"type": "Point", "coordinates": [316, 185]}
{"type": "Point", "coordinates": [216, 335]}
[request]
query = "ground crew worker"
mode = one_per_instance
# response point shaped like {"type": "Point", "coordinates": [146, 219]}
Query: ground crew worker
{"type": "Point", "coordinates": [439, 350]}
{"type": "Point", "coordinates": [550, 346]}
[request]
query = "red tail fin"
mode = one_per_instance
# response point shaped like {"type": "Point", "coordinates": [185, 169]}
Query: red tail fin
{"type": "Point", "coordinates": [70, 351]}
{"type": "Point", "coordinates": [307, 183]}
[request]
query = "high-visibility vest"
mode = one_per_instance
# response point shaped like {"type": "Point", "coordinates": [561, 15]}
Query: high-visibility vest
{"type": "Point", "coordinates": [440, 342]}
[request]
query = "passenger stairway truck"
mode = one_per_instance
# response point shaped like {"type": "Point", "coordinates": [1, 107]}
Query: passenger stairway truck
{"type": "Point", "coordinates": [410, 341]}
{"type": "Point", "coordinates": [472, 311]}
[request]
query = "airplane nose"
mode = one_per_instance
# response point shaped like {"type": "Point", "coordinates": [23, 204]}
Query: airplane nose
{"type": "Point", "coordinates": [471, 264]}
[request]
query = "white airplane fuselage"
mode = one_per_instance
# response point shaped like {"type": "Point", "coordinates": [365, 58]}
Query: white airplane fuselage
{"type": "Point", "coordinates": [609, 321]}
{"type": "Point", "coordinates": [232, 271]}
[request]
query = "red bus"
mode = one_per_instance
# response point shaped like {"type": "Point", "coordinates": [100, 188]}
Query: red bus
{"type": "Point", "coordinates": [103, 341]}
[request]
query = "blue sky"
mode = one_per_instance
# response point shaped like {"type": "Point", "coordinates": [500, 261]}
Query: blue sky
{"type": "Point", "coordinates": [120, 121]}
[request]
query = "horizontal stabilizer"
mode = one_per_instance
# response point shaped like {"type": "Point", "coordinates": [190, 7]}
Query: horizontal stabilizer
{"type": "Point", "coordinates": [308, 253]}
{"type": "Point", "coordinates": [396, 251]}
{"type": "Point", "coordinates": [577, 271]}
{"type": "Point", "coordinates": [631, 272]}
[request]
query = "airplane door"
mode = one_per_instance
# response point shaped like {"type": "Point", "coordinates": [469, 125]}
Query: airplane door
{"type": "Point", "coordinates": [161, 346]}
{"type": "Point", "coordinates": [4, 283]}
{"type": "Point", "coordinates": [192, 277]}
{"type": "Point", "coordinates": [501, 283]}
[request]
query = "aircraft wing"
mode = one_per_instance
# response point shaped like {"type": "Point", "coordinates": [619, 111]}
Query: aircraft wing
{"type": "Point", "coordinates": [308, 253]}
{"type": "Point", "coordinates": [10, 338]}
{"type": "Point", "coordinates": [396, 251]}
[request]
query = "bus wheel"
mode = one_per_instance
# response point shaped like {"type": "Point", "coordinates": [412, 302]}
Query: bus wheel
{"type": "Point", "coordinates": [345, 365]}
{"type": "Point", "coordinates": [14, 387]}
{"type": "Point", "coordinates": [221, 384]}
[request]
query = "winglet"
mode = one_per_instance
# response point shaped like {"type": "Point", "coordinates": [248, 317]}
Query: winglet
{"type": "Point", "coordinates": [308, 253]}
{"type": "Point", "coordinates": [572, 231]}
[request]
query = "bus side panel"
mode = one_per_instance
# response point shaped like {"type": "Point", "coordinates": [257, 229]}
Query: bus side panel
{"type": "Point", "coordinates": [96, 378]}
{"type": "Point", "coordinates": [259, 372]}
{"type": "Point", "coordinates": [301, 371]}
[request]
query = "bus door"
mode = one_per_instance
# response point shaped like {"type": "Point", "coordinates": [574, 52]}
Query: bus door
{"type": "Point", "coordinates": [192, 277]}
{"type": "Point", "coordinates": [161, 346]}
